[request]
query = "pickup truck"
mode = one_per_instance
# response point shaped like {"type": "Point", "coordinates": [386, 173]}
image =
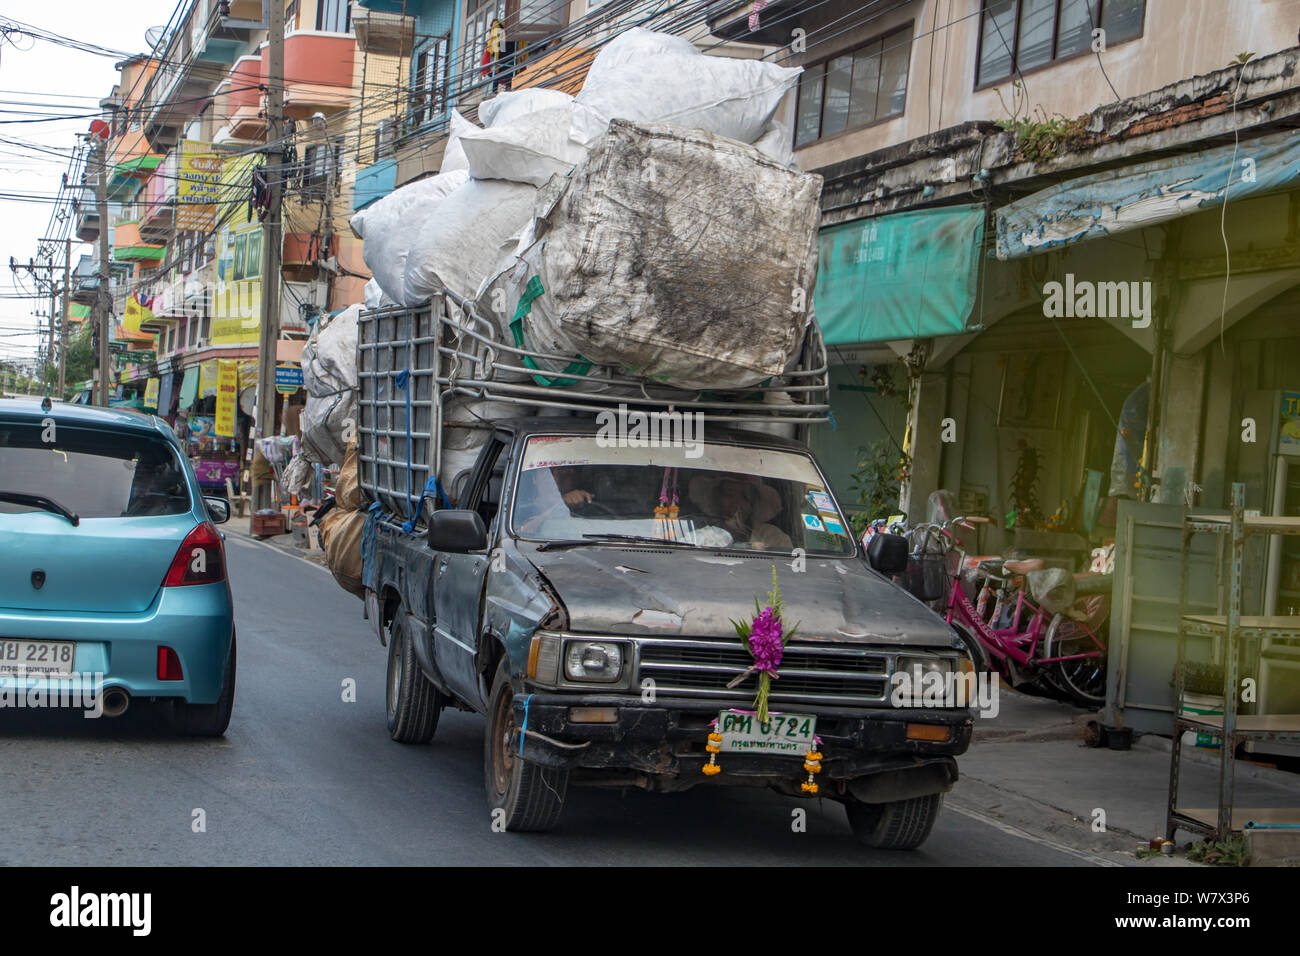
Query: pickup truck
{"type": "Point", "coordinates": [596, 636]}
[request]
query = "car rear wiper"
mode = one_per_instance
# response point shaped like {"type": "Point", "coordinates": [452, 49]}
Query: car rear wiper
{"type": "Point", "coordinates": [589, 538]}
{"type": "Point", "coordinates": [40, 501]}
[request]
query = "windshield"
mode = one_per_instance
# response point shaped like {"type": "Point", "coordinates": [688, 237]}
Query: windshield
{"type": "Point", "coordinates": [728, 496]}
{"type": "Point", "coordinates": [94, 473]}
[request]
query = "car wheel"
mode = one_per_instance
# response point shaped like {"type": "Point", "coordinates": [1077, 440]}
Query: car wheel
{"type": "Point", "coordinates": [210, 720]}
{"type": "Point", "coordinates": [898, 825]}
{"type": "Point", "coordinates": [523, 796]}
{"type": "Point", "coordinates": [413, 703]}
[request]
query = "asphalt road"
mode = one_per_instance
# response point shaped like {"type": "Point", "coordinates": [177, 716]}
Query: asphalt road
{"type": "Point", "coordinates": [304, 777]}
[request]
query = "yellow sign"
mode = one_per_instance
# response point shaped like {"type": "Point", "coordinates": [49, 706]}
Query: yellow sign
{"type": "Point", "coordinates": [237, 302]}
{"type": "Point", "coordinates": [198, 187]}
{"type": "Point", "coordinates": [151, 393]}
{"type": "Point", "coordinates": [207, 378]}
{"type": "Point", "coordinates": [227, 397]}
{"type": "Point", "coordinates": [137, 311]}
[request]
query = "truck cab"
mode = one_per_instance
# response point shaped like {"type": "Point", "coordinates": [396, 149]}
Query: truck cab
{"type": "Point", "coordinates": [582, 591]}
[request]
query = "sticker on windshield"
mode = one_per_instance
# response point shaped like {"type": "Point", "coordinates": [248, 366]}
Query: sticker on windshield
{"type": "Point", "coordinates": [813, 523]}
{"type": "Point", "coordinates": [821, 501]}
{"type": "Point", "coordinates": [834, 527]}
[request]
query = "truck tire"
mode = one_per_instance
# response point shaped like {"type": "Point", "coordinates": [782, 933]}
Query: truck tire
{"type": "Point", "coordinates": [412, 703]}
{"type": "Point", "coordinates": [209, 720]}
{"type": "Point", "coordinates": [899, 825]}
{"type": "Point", "coordinates": [529, 798]}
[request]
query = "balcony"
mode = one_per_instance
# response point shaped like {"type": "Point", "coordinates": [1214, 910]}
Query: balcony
{"type": "Point", "coordinates": [301, 257]}
{"type": "Point", "coordinates": [129, 246]}
{"type": "Point", "coordinates": [318, 72]}
{"type": "Point", "coordinates": [381, 32]}
{"type": "Point", "coordinates": [159, 202]}
{"type": "Point", "coordinates": [730, 20]}
{"type": "Point", "coordinates": [244, 99]}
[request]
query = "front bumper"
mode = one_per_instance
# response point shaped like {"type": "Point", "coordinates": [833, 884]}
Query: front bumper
{"type": "Point", "coordinates": [669, 736]}
{"type": "Point", "coordinates": [195, 621]}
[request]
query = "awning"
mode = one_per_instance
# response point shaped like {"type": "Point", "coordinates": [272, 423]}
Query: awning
{"type": "Point", "coordinates": [909, 275]}
{"type": "Point", "coordinates": [189, 387]}
{"type": "Point", "coordinates": [1120, 200]}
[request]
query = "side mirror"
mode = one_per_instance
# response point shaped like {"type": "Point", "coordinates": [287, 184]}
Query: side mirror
{"type": "Point", "coordinates": [457, 532]}
{"type": "Point", "coordinates": [887, 553]}
{"type": "Point", "coordinates": [218, 509]}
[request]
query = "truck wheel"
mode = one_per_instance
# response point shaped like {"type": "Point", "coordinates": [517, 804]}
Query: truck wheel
{"type": "Point", "coordinates": [209, 720]}
{"type": "Point", "coordinates": [899, 825]}
{"type": "Point", "coordinates": [413, 704]}
{"type": "Point", "coordinates": [529, 797]}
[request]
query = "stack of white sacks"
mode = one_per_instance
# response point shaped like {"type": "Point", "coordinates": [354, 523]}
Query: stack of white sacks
{"type": "Point", "coordinates": [660, 209]}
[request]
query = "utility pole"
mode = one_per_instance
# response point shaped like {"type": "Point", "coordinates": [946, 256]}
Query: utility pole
{"type": "Point", "coordinates": [103, 299]}
{"type": "Point", "coordinates": [63, 322]}
{"type": "Point", "coordinates": [49, 357]}
{"type": "Point", "coordinates": [271, 239]}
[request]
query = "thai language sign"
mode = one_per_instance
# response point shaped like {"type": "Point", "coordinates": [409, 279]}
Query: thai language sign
{"type": "Point", "coordinates": [198, 187]}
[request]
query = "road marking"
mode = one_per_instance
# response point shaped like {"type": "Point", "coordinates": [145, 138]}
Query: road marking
{"type": "Point", "coordinates": [270, 547]}
{"type": "Point", "coordinates": [1026, 835]}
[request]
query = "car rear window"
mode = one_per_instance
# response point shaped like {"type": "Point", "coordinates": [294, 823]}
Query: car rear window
{"type": "Point", "coordinates": [92, 472]}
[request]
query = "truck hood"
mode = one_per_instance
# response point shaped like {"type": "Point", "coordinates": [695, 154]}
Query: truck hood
{"type": "Point", "coordinates": [616, 590]}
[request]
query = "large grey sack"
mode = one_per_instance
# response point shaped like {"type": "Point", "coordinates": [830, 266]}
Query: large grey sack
{"type": "Point", "coordinates": [678, 255]}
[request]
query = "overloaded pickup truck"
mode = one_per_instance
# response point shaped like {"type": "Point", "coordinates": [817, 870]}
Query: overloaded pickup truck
{"type": "Point", "coordinates": [581, 593]}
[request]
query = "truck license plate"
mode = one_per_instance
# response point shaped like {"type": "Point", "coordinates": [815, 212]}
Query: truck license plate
{"type": "Point", "coordinates": [36, 658]}
{"type": "Point", "coordinates": [787, 734]}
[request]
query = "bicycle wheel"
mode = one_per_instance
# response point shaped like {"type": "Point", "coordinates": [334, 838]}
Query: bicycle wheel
{"type": "Point", "coordinates": [1081, 677]}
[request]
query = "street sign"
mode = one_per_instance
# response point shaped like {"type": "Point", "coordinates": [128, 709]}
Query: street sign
{"type": "Point", "coordinates": [288, 378]}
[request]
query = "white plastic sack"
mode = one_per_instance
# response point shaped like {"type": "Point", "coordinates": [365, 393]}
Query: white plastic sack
{"type": "Point", "coordinates": [509, 106]}
{"type": "Point", "coordinates": [374, 296]}
{"type": "Point", "coordinates": [329, 373]}
{"type": "Point", "coordinates": [528, 149]}
{"type": "Point", "coordinates": [647, 77]}
{"type": "Point", "coordinates": [777, 144]}
{"type": "Point", "coordinates": [453, 157]}
{"type": "Point", "coordinates": [700, 275]}
{"type": "Point", "coordinates": [392, 225]}
{"type": "Point", "coordinates": [457, 244]}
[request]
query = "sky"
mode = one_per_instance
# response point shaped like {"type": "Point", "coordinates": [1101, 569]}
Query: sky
{"type": "Point", "coordinates": [38, 72]}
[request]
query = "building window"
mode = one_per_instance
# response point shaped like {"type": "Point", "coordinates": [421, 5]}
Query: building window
{"type": "Point", "coordinates": [478, 23]}
{"type": "Point", "coordinates": [1019, 35]}
{"type": "Point", "coordinates": [854, 89]}
{"type": "Point", "coordinates": [334, 16]}
{"type": "Point", "coordinates": [319, 170]}
{"type": "Point", "coordinates": [429, 95]}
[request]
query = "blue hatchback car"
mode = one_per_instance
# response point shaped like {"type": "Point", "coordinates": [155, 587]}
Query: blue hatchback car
{"type": "Point", "coordinates": [112, 574]}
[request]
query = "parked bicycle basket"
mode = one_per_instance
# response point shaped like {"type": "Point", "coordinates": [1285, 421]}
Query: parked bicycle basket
{"type": "Point", "coordinates": [926, 577]}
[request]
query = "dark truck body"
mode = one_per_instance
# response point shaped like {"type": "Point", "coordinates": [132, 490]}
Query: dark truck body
{"type": "Point", "coordinates": [466, 612]}
{"type": "Point", "coordinates": [480, 616]}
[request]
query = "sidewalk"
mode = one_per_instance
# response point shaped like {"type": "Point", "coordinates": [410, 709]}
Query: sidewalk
{"type": "Point", "coordinates": [241, 527]}
{"type": "Point", "coordinates": [1032, 755]}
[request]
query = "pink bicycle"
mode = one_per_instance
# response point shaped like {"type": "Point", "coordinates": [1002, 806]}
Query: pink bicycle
{"type": "Point", "coordinates": [1018, 639]}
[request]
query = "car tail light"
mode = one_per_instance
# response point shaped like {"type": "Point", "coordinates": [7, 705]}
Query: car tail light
{"type": "Point", "coordinates": [169, 665]}
{"type": "Point", "coordinates": [199, 560]}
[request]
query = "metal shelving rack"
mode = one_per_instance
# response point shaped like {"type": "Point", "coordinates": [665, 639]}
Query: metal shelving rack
{"type": "Point", "coordinates": [1232, 633]}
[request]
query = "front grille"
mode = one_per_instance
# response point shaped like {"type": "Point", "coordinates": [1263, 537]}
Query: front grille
{"type": "Point", "coordinates": [808, 674]}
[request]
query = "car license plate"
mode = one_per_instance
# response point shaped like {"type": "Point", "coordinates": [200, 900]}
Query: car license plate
{"type": "Point", "coordinates": [788, 734]}
{"type": "Point", "coordinates": [36, 658]}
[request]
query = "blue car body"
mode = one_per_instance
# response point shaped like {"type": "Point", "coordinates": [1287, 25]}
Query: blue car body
{"type": "Point", "coordinates": [102, 578]}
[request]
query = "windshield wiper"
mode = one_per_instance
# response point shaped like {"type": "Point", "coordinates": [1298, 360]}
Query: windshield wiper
{"type": "Point", "coordinates": [40, 501]}
{"type": "Point", "coordinates": [589, 538]}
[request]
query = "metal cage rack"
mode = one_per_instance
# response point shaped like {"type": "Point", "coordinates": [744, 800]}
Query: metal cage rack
{"type": "Point", "coordinates": [411, 361]}
{"type": "Point", "coordinates": [1234, 642]}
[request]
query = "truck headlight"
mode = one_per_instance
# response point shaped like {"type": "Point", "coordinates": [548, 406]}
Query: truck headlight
{"type": "Point", "coordinates": [917, 667]}
{"type": "Point", "coordinates": [598, 661]}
